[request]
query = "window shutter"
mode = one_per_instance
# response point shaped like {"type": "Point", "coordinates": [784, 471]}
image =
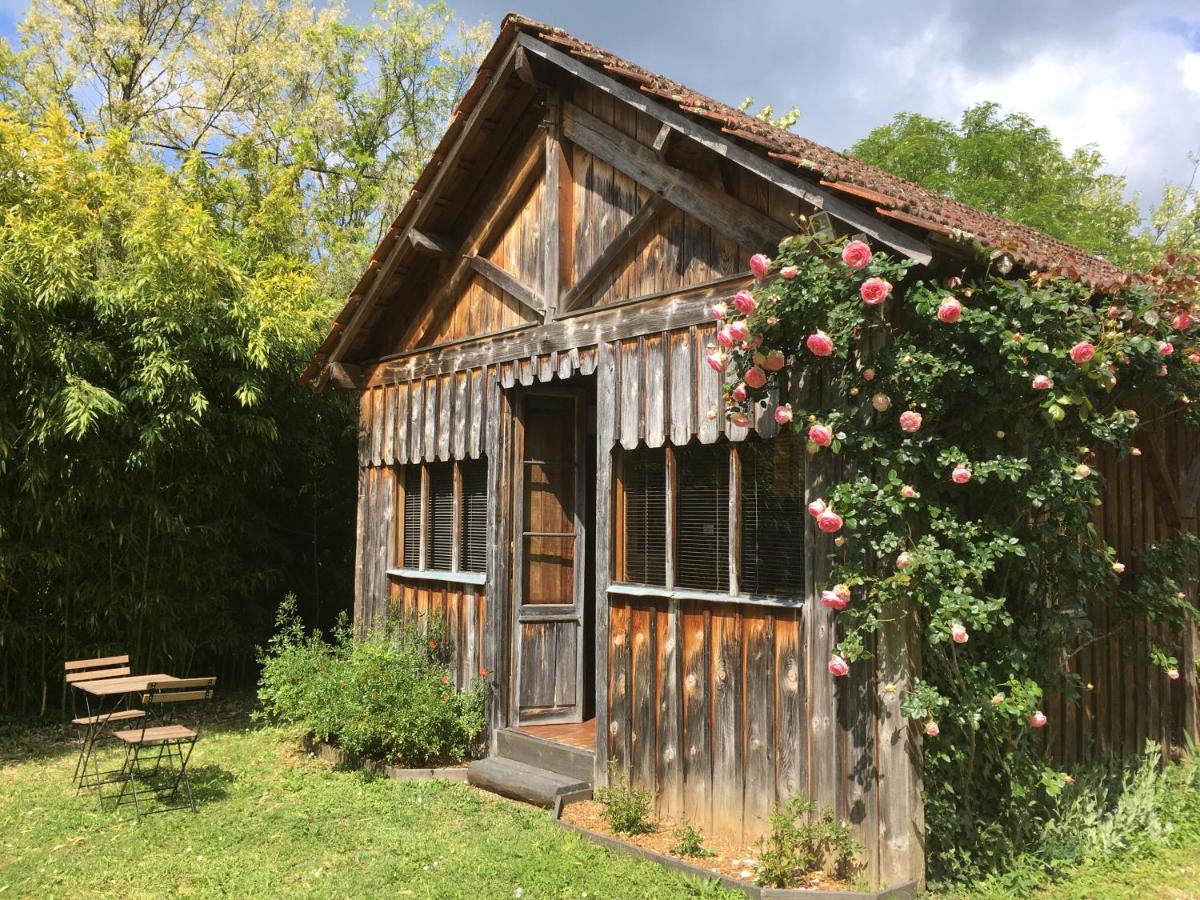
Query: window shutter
{"type": "Point", "coordinates": [644, 475]}
{"type": "Point", "coordinates": [773, 516]}
{"type": "Point", "coordinates": [702, 517]}
{"type": "Point", "coordinates": [474, 516]}
{"type": "Point", "coordinates": [412, 517]}
{"type": "Point", "coordinates": [441, 516]}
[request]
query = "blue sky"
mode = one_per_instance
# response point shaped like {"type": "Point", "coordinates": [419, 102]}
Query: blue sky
{"type": "Point", "coordinates": [1119, 74]}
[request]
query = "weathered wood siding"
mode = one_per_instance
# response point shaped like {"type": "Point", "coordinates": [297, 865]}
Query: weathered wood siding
{"type": "Point", "coordinates": [460, 609]}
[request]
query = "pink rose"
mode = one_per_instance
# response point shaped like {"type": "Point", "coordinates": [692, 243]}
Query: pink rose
{"type": "Point", "coordinates": [745, 302]}
{"type": "Point", "coordinates": [1038, 719]}
{"type": "Point", "coordinates": [856, 255]}
{"type": "Point", "coordinates": [816, 508]}
{"type": "Point", "coordinates": [838, 667]}
{"type": "Point", "coordinates": [1182, 321]}
{"type": "Point", "coordinates": [789, 272]}
{"type": "Point", "coordinates": [725, 337]}
{"type": "Point", "coordinates": [908, 492]}
{"type": "Point", "coordinates": [843, 592]}
{"type": "Point", "coordinates": [1114, 312]}
{"type": "Point", "coordinates": [739, 392]}
{"type": "Point", "coordinates": [1194, 358]}
{"type": "Point", "coordinates": [910, 421]}
{"type": "Point", "coordinates": [755, 377]}
{"type": "Point", "coordinates": [1042, 382]}
{"type": "Point", "coordinates": [774, 361]}
{"type": "Point", "coordinates": [868, 374]}
{"type": "Point", "coordinates": [718, 361]}
{"type": "Point", "coordinates": [874, 291]}
{"type": "Point", "coordinates": [1173, 674]}
{"type": "Point", "coordinates": [829, 522]}
{"type": "Point", "coordinates": [739, 329]}
{"type": "Point", "coordinates": [1119, 567]}
{"type": "Point", "coordinates": [819, 344]}
{"type": "Point", "coordinates": [783, 414]}
{"type": "Point", "coordinates": [1082, 352]}
{"type": "Point", "coordinates": [931, 728]}
{"type": "Point", "coordinates": [903, 561]}
{"type": "Point", "coordinates": [832, 600]}
{"type": "Point", "coordinates": [1166, 348]}
{"type": "Point", "coordinates": [950, 311]}
{"type": "Point", "coordinates": [821, 435]}
{"type": "Point", "coordinates": [960, 475]}
{"type": "Point", "coordinates": [958, 634]}
{"type": "Point", "coordinates": [759, 265]}
{"type": "Point", "coordinates": [718, 310]}
{"type": "Point", "coordinates": [740, 419]}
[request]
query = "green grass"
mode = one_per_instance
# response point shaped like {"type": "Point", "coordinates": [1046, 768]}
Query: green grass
{"type": "Point", "coordinates": [273, 822]}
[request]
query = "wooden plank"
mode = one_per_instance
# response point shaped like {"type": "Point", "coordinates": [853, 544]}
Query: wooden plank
{"type": "Point", "coordinates": [551, 231]}
{"type": "Point", "coordinates": [728, 723]}
{"type": "Point", "coordinates": [387, 452]}
{"type": "Point", "coordinates": [654, 379]}
{"type": "Point", "coordinates": [861, 801]}
{"type": "Point", "coordinates": [445, 418]}
{"type": "Point", "coordinates": [697, 722]}
{"type": "Point", "coordinates": [683, 379]}
{"type": "Point", "coordinates": [605, 437]}
{"type": "Point", "coordinates": [791, 742]}
{"type": "Point", "coordinates": [460, 421]}
{"type": "Point", "coordinates": [400, 454]}
{"type": "Point", "coordinates": [416, 422]}
{"type": "Point", "coordinates": [710, 416]}
{"type": "Point", "coordinates": [719, 211]}
{"type": "Point", "coordinates": [854, 216]}
{"type": "Point", "coordinates": [631, 381]}
{"type": "Point", "coordinates": [378, 418]}
{"type": "Point", "coordinates": [478, 412]}
{"type": "Point", "coordinates": [642, 700]}
{"type": "Point", "coordinates": [637, 225]}
{"type": "Point", "coordinates": [360, 550]}
{"type": "Point", "coordinates": [495, 632]}
{"type": "Point", "coordinates": [759, 712]}
{"type": "Point", "coordinates": [619, 704]}
{"type": "Point", "coordinates": [522, 293]}
{"type": "Point", "coordinates": [431, 419]}
{"type": "Point", "coordinates": [669, 776]}
{"type": "Point", "coordinates": [432, 244]}
{"type": "Point", "coordinates": [364, 428]}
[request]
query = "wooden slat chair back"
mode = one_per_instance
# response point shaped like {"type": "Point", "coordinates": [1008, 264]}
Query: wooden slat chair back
{"type": "Point", "coordinates": [170, 738]}
{"type": "Point", "coordinates": [91, 723]}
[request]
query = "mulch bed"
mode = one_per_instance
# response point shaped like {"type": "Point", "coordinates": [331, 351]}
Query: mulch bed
{"type": "Point", "coordinates": [728, 859]}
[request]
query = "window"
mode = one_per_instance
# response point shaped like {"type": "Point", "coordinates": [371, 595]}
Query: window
{"type": "Point", "coordinates": [445, 518]}
{"type": "Point", "coordinates": [755, 487]}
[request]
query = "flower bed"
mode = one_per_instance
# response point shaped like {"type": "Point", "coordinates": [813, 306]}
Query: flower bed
{"type": "Point", "coordinates": [733, 866]}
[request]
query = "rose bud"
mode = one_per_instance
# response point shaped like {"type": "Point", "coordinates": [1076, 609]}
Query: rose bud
{"type": "Point", "coordinates": [1042, 382]}
{"type": "Point", "coordinates": [760, 265]}
{"type": "Point", "coordinates": [725, 337]}
{"type": "Point", "coordinates": [1038, 719]}
{"type": "Point", "coordinates": [881, 402]}
{"type": "Point", "coordinates": [832, 600]}
{"type": "Point", "coordinates": [1194, 358]}
{"type": "Point", "coordinates": [868, 374]}
{"type": "Point", "coordinates": [821, 435]}
{"type": "Point", "coordinates": [783, 414]}
{"type": "Point", "coordinates": [856, 255]}
{"type": "Point", "coordinates": [903, 561]}
{"type": "Point", "coordinates": [1173, 674]}
{"type": "Point", "coordinates": [838, 667]}
{"type": "Point", "coordinates": [950, 310]}
{"type": "Point", "coordinates": [1119, 567]}
{"type": "Point", "coordinates": [739, 393]}
{"type": "Point", "coordinates": [718, 361]}
{"type": "Point", "coordinates": [960, 475]}
{"type": "Point", "coordinates": [739, 329]}
{"type": "Point", "coordinates": [931, 728]}
{"type": "Point", "coordinates": [908, 492]}
{"type": "Point", "coordinates": [789, 272]}
{"type": "Point", "coordinates": [910, 421]}
{"type": "Point", "coordinates": [997, 699]}
{"type": "Point", "coordinates": [816, 508]}
{"type": "Point", "coordinates": [718, 310]}
{"type": "Point", "coordinates": [958, 634]}
{"type": "Point", "coordinates": [1182, 321]}
{"type": "Point", "coordinates": [1083, 470]}
{"type": "Point", "coordinates": [1166, 348]}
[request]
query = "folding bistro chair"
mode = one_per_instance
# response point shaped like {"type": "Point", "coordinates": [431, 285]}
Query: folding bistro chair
{"type": "Point", "coordinates": [95, 719]}
{"type": "Point", "coordinates": [169, 739]}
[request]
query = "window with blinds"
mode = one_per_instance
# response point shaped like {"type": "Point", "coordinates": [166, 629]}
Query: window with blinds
{"type": "Point", "coordinates": [412, 518]}
{"type": "Point", "coordinates": [773, 516]}
{"type": "Point", "coordinates": [702, 517]}
{"type": "Point", "coordinates": [644, 478]}
{"type": "Point", "coordinates": [440, 552]}
{"type": "Point", "coordinates": [473, 556]}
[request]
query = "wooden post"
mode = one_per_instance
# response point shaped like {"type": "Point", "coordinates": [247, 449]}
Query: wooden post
{"type": "Point", "coordinates": [606, 394]}
{"type": "Point", "coordinates": [551, 206]}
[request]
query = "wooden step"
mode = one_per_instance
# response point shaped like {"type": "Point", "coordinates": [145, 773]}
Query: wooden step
{"type": "Point", "coordinates": [563, 759]}
{"type": "Point", "coordinates": [519, 781]}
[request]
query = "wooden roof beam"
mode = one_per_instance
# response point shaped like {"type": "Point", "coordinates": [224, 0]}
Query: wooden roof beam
{"type": "Point", "coordinates": [637, 224]}
{"type": "Point", "coordinates": [508, 283]}
{"type": "Point", "coordinates": [721, 212]}
{"type": "Point", "coordinates": [863, 220]}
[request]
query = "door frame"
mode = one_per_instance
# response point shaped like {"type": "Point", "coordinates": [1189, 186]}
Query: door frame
{"type": "Point", "coordinates": [522, 613]}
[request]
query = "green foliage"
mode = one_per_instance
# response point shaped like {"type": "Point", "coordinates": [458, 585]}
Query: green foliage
{"type": "Point", "coordinates": [627, 809]}
{"type": "Point", "coordinates": [1013, 167]}
{"type": "Point", "coordinates": [166, 478]}
{"type": "Point", "coordinates": [689, 841]}
{"type": "Point", "coordinates": [1012, 555]}
{"type": "Point", "coordinates": [387, 695]}
{"type": "Point", "coordinates": [800, 843]}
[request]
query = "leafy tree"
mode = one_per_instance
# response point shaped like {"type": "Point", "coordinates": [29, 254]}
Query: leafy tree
{"type": "Point", "coordinates": [1010, 165]}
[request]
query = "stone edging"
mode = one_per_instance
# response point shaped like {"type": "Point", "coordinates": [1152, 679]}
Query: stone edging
{"type": "Point", "coordinates": [340, 757]}
{"type": "Point", "coordinates": [906, 891]}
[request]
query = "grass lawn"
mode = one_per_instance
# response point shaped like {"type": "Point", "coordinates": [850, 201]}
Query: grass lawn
{"type": "Point", "coordinates": [273, 822]}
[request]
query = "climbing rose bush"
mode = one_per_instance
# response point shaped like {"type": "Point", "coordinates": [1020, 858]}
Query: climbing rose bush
{"type": "Point", "coordinates": [974, 504]}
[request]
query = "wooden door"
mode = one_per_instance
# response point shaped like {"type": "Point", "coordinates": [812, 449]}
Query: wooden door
{"type": "Point", "coordinates": [551, 547]}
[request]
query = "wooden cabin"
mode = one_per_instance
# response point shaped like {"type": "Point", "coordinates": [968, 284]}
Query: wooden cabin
{"type": "Point", "coordinates": [545, 465]}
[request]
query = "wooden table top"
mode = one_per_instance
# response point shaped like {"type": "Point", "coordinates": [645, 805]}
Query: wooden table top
{"type": "Point", "coordinates": [107, 687]}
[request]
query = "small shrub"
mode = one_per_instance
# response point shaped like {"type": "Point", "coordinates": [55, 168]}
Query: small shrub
{"type": "Point", "coordinates": [797, 844]}
{"type": "Point", "coordinates": [626, 808]}
{"type": "Point", "coordinates": [387, 695]}
{"type": "Point", "coordinates": [689, 841]}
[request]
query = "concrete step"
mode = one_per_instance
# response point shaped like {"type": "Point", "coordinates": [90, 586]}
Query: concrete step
{"type": "Point", "coordinates": [519, 781]}
{"type": "Point", "coordinates": [562, 759]}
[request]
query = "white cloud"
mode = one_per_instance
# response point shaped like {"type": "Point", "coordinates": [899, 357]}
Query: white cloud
{"type": "Point", "coordinates": [1189, 68]}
